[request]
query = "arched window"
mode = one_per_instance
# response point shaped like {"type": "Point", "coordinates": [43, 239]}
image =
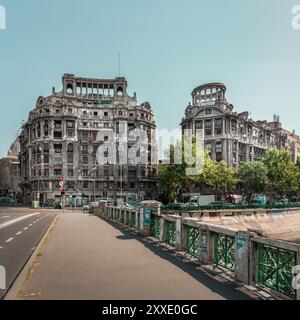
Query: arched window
{"type": "Point", "coordinates": [69, 88]}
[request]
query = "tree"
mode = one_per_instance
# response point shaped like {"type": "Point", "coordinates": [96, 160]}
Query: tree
{"type": "Point", "coordinates": [254, 177]}
{"type": "Point", "coordinates": [218, 176]}
{"type": "Point", "coordinates": [283, 175]}
{"type": "Point", "coordinates": [177, 175]}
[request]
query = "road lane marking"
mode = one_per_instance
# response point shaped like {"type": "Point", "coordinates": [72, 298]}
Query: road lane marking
{"type": "Point", "coordinates": [30, 225]}
{"type": "Point", "coordinates": [4, 217]}
{"type": "Point", "coordinates": [9, 240]}
{"type": "Point", "coordinates": [8, 223]}
{"type": "Point", "coordinates": [1, 248]}
{"type": "Point", "coordinates": [18, 233]}
{"type": "Point", "coordinates": [26, 228]}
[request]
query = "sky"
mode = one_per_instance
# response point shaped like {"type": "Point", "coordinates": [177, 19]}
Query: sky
{"type": "Point", "coordinates": [168, 47]}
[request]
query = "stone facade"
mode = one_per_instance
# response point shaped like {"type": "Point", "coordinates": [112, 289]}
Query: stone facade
{"type": "Point", "coordinates": [60, 139]}
{"type": "Point", "coordinates": [231, 136]}
{"type": "Point", "coordinates": [10, 171]}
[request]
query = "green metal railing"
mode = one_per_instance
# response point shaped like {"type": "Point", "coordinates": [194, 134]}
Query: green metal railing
{"type": "Point", "coordinates": [224, 251]}
{"type": "Point", "coordinates": [171, 233]}
{"type": "Point", "coordinates": [192, 241]}
{"type": "Point", "coordinates": [274, 268]}
{"type": "Point", "coordinates": [155, 227]}
{"type": "Point", "coordinates": [132, 219]}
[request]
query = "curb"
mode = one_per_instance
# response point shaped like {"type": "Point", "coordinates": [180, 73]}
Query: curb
{"type": "Point", "coordinates": [15, 290]}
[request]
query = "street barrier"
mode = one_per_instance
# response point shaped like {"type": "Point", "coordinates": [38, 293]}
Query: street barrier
{"type": "Point", "coordinates": [249, 257]}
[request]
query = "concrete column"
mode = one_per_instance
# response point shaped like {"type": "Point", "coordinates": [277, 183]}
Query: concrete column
{"type": "Point", "coordinates": [162, 230]}
{"type": "Point", "coordinates": [242, 252]}
{"type": "Point", "coordinates": [210, 247]}
{"type": "Point", "coordinates": [213, 127]}
{"type": "Point", "coordinates": [178, 233]}
{"type": "Point", "coordinates": [204, 244]}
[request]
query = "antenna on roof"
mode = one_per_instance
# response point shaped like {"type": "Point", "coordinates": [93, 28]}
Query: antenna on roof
{"type": "Point", "coordinates": [119, 59]}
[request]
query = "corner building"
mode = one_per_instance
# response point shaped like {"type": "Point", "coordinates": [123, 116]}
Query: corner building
{"type": "Point", "coordinates": [60, 140]}
{"type": "Point", "coordinates": [228, 135]}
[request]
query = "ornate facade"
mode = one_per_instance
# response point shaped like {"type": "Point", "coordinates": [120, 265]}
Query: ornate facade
{"type": "Point", "coordinates": [231, 136]}
{"type": "Point", "coordinates": [60, 139]}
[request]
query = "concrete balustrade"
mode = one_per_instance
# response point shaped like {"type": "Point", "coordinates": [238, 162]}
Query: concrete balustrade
{"type": "Point", "coordinates": [244, 257]}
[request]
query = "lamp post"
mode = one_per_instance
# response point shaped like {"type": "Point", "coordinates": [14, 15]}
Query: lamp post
{"type": "Point", "coordinates": [94, 168]}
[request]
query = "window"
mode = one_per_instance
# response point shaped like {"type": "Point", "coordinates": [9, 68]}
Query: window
{"type": "Point", "coordinates": [208, 124]}
{"type": "Point", "coordinates": [106, 172]}
{"type": "Point", "coordinates": [85, 149]}
{"type": "Point", "coordinates": [70, 110]}
{"type": "Point", "coordinates": [95, 125]}
{"type": "Point", "coordinates": [131, 126]}
{"type": "Point", "coordinates": [105, 114]}
{"type": "Point", "coordinates": [57, 172]}
{"type": "Point", "coordinates": [70, 124]}
{"type": "Point", "coordinates": [85, 172]}
{"type": "Point", "coordinates": [70, 173]}
{"type": "Point", "coordinates": [85, 124]}
{"type": "Point", "coordinates": [70, 148]}
{"type": "Point", "coordinates": [120, 113]}
{"type": "Point", "coordinates": [70, 158]}
{"type": "Point", "coordinates": [132, 173]}
{"type": "Point", "coordinates": [131, 115]}
{"type": "Point", "coordinates": [199, 125]}
{"type": "Point", "coordinates": [85, 160]}
{"type": "Point", "coordinates": [85, 185]}
{"type": "Point", "coordinates": [46, 159]}
{"type": "Point", "coordinates": [106, 138]}
{"type": "Point", "coordinates": [84, 113]}
{"type": "Point", "coordinates": [106, 125]}
{"type": "Point", "coordinates": [218, 147]}
{"type": "Point", "coordinates": [218, 122]}
{"type": "Point", "coordinates": [58, 148]}
{"type": "Point", "coordinates": [218, 131]}
{"type": "Point", "coordinates": [57, 135]}
{"type": "Point", "coordinates": [95, 114]}
{"type": "Point", "coordinates": [208, 111]}
{"type": "Point", "coordinates": [57, 160]}
{"type": "Point", "coordinates": [132, 185]}
{"type": "Point", "coordinates": [57, 124]}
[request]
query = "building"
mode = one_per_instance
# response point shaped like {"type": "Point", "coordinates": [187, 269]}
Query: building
{"type": "Point", "coordinates": [60, 140]}
{"type": "Point", "coordinates": [231, 136]}
{"type": "Point", "coordinates": [285, 138]}
{"type": "Point", "coordinates": [10, 172]}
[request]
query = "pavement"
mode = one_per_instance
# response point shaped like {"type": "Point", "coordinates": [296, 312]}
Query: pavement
{"type": "Point", "coordinates": [85, 257]}
{"type": "Point", "coordinates": [21, 229]}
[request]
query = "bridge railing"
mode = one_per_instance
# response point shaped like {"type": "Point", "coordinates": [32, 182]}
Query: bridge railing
{"type": "Point", "coordinates": [250, 258]}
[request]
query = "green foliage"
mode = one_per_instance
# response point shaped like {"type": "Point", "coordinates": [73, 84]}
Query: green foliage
{"type": "Point", "coordinates": [254, 177]}
{"type": "Point", "coordinates": [283, 175]}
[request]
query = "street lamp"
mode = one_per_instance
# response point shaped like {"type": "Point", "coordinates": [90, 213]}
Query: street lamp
{"type": "Point", "coordinates": [94, 169]}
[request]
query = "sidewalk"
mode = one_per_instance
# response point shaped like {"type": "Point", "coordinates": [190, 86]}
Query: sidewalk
{"type": "Point", "coordinates": [88, 258]}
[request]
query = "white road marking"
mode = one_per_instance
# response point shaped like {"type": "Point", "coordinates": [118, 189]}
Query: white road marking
{"type": "Point", "coordinates": [1, 248]}
{"type": "Point", "coordinates": [18, 233]}
{"type": "Point", "coordinates": [8, 223]}
{"type": "Point", "coordinates": [9, 240]}
{"type": "Point", "coordinates": [26, 228]}
{"type": "Point", "coordinates": [4, 217]}
{"type": "Point", "coordinates": [30, 225]}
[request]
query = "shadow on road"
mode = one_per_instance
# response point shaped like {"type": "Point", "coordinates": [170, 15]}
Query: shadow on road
{"type": "Point", "coordinates": [228, 290]}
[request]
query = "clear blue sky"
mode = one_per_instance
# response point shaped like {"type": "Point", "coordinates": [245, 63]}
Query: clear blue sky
{"type": "Point", "coordinates": [168, 47]}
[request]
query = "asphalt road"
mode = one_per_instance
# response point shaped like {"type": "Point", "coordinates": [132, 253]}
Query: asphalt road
{"type": "Point", "coordinates": [89, 258]}
{"type": "Point", "coordinates": [21, 230]}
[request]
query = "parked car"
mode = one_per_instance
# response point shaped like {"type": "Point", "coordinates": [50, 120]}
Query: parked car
{"type": "Point", "coordinates": [57, 205]}
{"type": "Point", "coordinates": [86, 208]}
